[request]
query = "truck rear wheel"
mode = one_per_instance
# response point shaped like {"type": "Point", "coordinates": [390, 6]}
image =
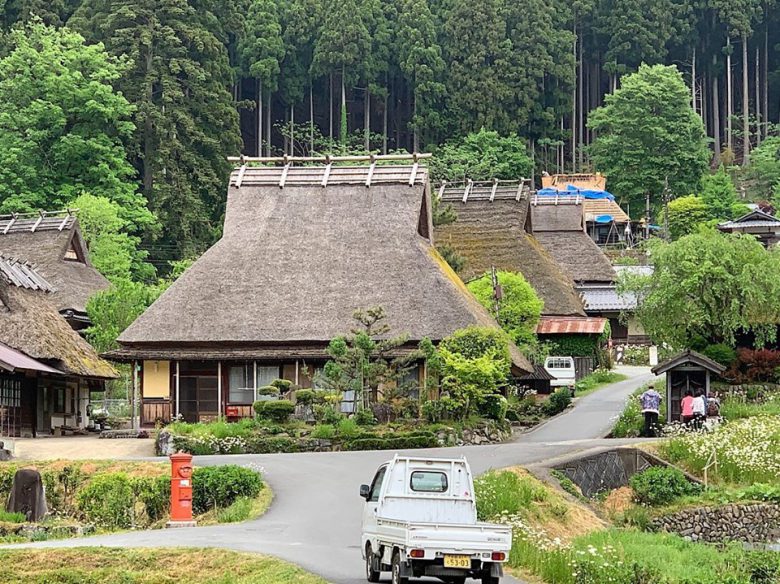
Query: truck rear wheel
{"type": "Point", "coordinates": [372, 574]}
{"type": "Point", "coordinates": [396, 570]}
{"type": "Point", "coordinates": [491, 580]}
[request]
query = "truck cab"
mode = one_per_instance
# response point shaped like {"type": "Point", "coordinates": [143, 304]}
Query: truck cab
{"type": "Point", "coordinates": [562, 369]}
{"type": "Point", "coordinates": [420, 519]}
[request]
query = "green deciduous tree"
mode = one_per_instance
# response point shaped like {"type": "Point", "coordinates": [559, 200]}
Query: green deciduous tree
{"type": "Point", "coordinates": [686, 215]}
{"type": "Point", "coordinates": [648, 135]}
{"type": "Point", "coordinates": [519, 308]}
{"type": "Point", "coordinates": [482, 155]}
{"type": "Point", "coordinates": [720, 196]}
{"type": "Point", "coordinates": [63, 128]}
{"type": "Point", "coordinates": [709, 286]}
{"type": "Point", "coordinates": [765, 168]}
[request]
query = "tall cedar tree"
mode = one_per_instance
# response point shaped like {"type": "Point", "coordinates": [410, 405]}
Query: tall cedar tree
{"type": "Point", "coordinates": [62, 125]}
{"type": "Point", "coordinates": [648, 134]}
{"type": "Point", "coordinates": [186, 120]}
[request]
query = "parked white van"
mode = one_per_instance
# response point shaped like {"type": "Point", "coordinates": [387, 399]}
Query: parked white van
{"type": "Point", "coordinates": [420, 519]}
{"type": "Point", "coordinates": [562, 369]}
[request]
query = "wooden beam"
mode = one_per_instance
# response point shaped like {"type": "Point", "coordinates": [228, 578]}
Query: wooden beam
{"type": "Point", "coordinates": [327, 159]}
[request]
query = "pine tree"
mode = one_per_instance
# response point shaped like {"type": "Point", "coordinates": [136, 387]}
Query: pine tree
{"type": "Point", "coordinates": [260, 53]}
{"type": "Point", "coordinates": [186, 120]}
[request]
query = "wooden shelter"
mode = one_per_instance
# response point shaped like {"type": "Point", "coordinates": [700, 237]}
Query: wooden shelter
{"type": "Point", "coordinates": [493, 229]}
{"type": "Point", "coordinates": [303, 247]}
{"type": "Point", "coordinates": [686, 370]}
{"type": "Point", "coordinates": [46, 369]}
{"type": "Point", "coordinates": [52, 241]}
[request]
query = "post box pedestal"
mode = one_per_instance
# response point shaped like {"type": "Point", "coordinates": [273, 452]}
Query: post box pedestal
{"type": "Point", "coordinates": [181, 491]}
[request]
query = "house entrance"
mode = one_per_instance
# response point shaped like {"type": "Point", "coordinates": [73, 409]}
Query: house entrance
{"type": "Point", "coordinates": [198, 391]}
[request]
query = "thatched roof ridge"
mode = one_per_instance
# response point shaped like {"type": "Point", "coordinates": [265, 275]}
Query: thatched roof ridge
{"type": "Point", "coordinates": [45, 247]}
{"type": "Point", "coordinates": [561, 230]}
{"type": "Point", "coordinates": [295, 263]}
{"type": "Point", "coordinates": [496, 234]}
{"type": "Point", "coordinates": [30, 323]}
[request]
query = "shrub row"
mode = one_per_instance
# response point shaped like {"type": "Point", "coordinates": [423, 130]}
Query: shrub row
{"type": "Point", "coordinates": [398, 442]}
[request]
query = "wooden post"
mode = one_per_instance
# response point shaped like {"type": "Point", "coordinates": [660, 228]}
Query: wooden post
{"type": "Point", "coordinates": [177, 390]}
{"type": "Point", "coordinates": [134, 398]}
{"type": "Point", "coordinates": [219, 389]}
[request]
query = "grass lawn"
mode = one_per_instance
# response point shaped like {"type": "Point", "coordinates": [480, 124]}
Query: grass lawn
{"type": "Point", "coordinates": [596, 381]}
{"type": "Point", "coordinates": [159, 566]}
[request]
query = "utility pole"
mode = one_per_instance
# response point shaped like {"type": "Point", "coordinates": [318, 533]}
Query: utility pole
{"type": "Point", "coordinates": [647, 215]}
{"type": "Point", "coordinates": [667, 196]}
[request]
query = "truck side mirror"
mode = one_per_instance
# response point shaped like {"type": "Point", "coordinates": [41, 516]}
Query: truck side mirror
{"type": "Point", "coordinates": [365, 491]}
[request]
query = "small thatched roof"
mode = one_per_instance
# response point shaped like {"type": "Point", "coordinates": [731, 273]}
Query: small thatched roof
{"type": "Point", "coordinates": [44, 240]}
{"type": "Point", "coordinates": [30, 323]}
{"type": "Point", "coordinates": [295, 262]}
{"type": "Point", "coordinates": [560, 228]}
{"type": "Point", "coordinates": [496, 233]}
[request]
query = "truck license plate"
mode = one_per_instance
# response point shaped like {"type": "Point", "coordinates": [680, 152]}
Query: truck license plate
{"type": "Point", "coordinates": [452, 561]}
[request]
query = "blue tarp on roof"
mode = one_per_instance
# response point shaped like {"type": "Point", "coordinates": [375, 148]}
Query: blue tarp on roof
{"type": "Point", "coordinates": [604, 218]}
{"type": "Point", "coordinates": [572, 190]}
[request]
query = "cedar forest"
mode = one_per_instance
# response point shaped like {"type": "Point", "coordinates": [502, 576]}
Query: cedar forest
{"type": "Point", "coordinates": [176, 86]}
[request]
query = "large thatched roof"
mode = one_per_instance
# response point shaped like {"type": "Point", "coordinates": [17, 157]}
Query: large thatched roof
{"type": "Point", "coordinates": [45, 240]}
{"type": "Point", "coordinates": [496, 233]}
{"type": "Point", "coordinates": [560, 228]}
{"type": "Point", "coordinates": [295, 262]}
{"type": "Point", "coordinates": [30, 323]}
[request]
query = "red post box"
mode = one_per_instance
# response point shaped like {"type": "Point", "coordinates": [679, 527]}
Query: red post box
{"type": "Point", "coordinates": [181, 490]}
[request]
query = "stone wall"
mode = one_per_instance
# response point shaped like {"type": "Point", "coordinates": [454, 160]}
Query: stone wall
{"type": "Point", "coordinates": [750, 523]}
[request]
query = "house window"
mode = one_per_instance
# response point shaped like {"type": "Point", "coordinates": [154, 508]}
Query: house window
{"type": "Point", "coordinates": [240, 384]}
{"type": "Point", "coordinates": [267, 374]}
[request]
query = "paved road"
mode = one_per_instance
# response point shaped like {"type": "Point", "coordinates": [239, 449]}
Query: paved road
{"type": "Point", "coordinates": [315, 518]}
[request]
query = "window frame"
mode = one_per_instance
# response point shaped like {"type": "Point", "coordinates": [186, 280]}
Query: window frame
{"type": "Point", "coordinates": [376, 487]}
{"type": "Point", "coordinates": [446, 483]}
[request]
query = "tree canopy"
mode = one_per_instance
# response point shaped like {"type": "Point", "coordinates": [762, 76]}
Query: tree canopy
{"type": "Point", "coordinates": [649, 136]}
{"type": "Point", "coordinates": [709, 286]}
{"type": "Point", "coordinates": [482, 155]}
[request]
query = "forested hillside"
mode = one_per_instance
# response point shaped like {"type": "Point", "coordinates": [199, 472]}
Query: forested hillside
{"type": "Point", "coordinates": [197, 80]}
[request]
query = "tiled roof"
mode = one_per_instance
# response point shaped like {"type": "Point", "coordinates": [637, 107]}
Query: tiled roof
{"type": "Point", "coordinates": [605, 298]}
{"type": "Point", "coordinates": [23, 275]}
{"type": "Point", "coordinates": [11, 359]}
{"type": "Point", "coordinates": [568, 325]}
{"type": "Point", "coordinates": [755, 218]}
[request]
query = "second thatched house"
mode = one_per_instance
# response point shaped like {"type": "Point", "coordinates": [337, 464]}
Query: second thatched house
{"type": "Point", "coordinates": [302, 249]}
{"type": "Point", "coordinates": [47, 370]}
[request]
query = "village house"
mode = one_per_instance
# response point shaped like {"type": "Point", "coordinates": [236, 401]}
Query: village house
{"type": "Point", "coordinates": [47, 370]}
{"type": "Point", "coordinates": [53, 243]}
{"type": "Point", "coordinates": [303, 248]}
{"type": "Point", "coordinates": [765, 227]}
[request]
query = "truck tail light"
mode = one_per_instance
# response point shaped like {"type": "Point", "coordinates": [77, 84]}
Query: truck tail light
{"type": "Point", "coordinates": [498, 556]}
{"type": "Point", "coordinates": [417, 554]}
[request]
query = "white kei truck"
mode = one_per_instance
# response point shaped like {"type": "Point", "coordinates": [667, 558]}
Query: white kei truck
{"type": "Point", "coordinates": [420, 519]}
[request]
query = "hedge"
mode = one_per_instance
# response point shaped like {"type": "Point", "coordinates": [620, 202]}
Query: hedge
{"type": "Point", "coordinates": [404, 441]}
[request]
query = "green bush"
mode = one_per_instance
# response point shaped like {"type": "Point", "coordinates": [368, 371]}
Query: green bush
{"type": "Point", "coordinates": [347, 428]}
{"type": "Point", "coordinates": [557, 402]}
{"type": "Point", "coordinates": [720, 353]}
{"type": "Point", "coordinates": [270, 445]}
{"type": "Point", "coordinates": [278, 410]}
{"type": "Point", "coordinates": [154, 494]}
{"type": "Point", "coordinates": [305, 397]}
{"type": "Point", "coordinates": [283, 385]}
{"type": "Point", "coordinates": [327, 414]}
{"type": "Point", "coordinates": [268, 390]}
{"type": "Point", "coordinates": [494, 406]}
{"type": "Point", "coordinates": [364, 417]}
{"type": "Point", "coordinates": [660, 485]}
{"type": "Point", "coordinates": [575, 345]}
{"type": "Point", "coordinates": [219, 486]}
{"type": "Point", "coordinates": [324, 432]}
{"type": "Point", "coordinates": [434, 411]}
{"type": "Point", "coordinates": [396, 442]}
{"type": "Point", "coordinates": [7, 517]}
{"type": "Point", "coordinates": [107, 501]}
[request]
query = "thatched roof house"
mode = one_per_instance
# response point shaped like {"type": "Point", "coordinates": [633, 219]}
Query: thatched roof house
{"type": "Point", "coordinates": [31, 325]}
{"type": "Point", "coordinates": [53, 242]}
{"type": "Point", "coordinates": [560, 227]}
{"type": "Point", "coordinates": [493, 229]}
{"type": "Point", "coordinates": [302, 249]}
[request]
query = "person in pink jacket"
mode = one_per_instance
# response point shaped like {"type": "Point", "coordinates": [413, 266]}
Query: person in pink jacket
{"type": "Point", "coordinates": [687, 407]}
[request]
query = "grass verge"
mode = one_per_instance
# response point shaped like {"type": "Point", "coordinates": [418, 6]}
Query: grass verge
{"type": "Point", "coordinates": [597, 380]}
{"type": "Point", "coordinates": [242, 509]}
{"type": "Point", "coordinates": [158, 566]}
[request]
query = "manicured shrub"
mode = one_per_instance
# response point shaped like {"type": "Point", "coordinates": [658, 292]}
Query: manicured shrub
{"type": "Point", "coordinates": [557, 402]}
{"type": "Point", "coordinates": [720, 353]}
{"type": "Point", "coordinates": [305, 397]}
{"type": "Point", "coordinates": [660, 485]}
{"type": "Point", "coordinates": [283, 385]}
{"type": "Point", "coordinates": [107, 501]}
{"type": "Point", "coordinates": [364, 417]}
{"type": "Point", "coordinates": [271, 390]}
{"type": "Point", "coordinates": [494, 406]}
{"type": "Point", "coordinates": [220, 486]}
{"type": "Point", "coordinates": [279, 410]}
{"type": "Point", "coordinates": [396, 442]}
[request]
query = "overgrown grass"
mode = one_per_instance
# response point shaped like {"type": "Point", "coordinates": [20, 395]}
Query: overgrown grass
{"type": "Point", "coordinates": [7, 517]}
{"type": "Point", "coordinates": [505, 493]}
{"type": "Point", "coordinates": [157, 566]}
{"type": "Point", "coordinates": [242, 509]}
{"type": "Point", "coordinates": [597, 380]}
{"type": "Point", "coordinates": [631, 420]}
{"type": "Point", "coordinates": [735, 409]}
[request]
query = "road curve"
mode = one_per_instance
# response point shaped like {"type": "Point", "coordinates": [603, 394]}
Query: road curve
{"type": "Point", "coordinates": [315, 517]}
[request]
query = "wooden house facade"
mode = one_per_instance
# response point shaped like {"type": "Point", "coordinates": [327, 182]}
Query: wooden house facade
{"type": "Point", "coordinates": [303, 248]}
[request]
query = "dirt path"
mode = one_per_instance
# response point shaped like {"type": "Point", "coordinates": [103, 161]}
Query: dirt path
{"type": "Point", "coordinates": [79, 447]}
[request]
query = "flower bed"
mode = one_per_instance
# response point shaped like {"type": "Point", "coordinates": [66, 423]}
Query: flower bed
{"type": "Point", "coordinates": [747, 450]}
